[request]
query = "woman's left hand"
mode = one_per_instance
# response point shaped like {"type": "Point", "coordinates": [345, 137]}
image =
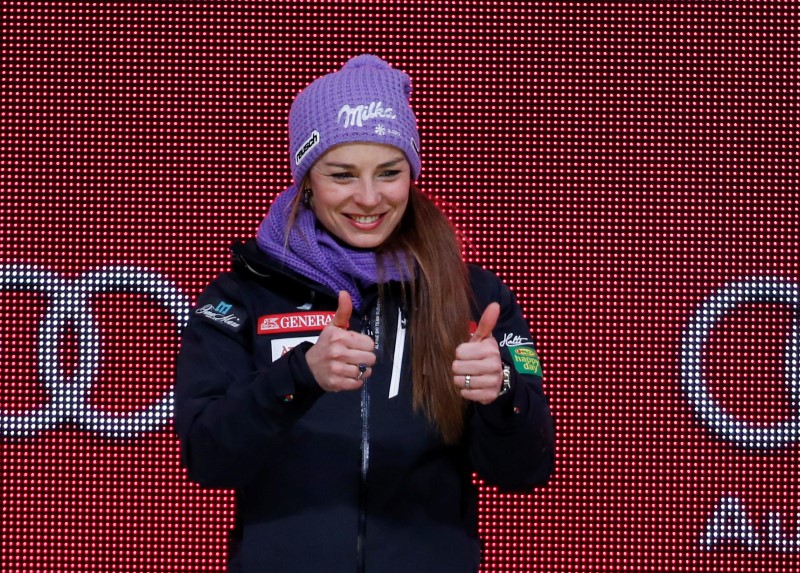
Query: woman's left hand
{"type": "Point", "coordinates": [478, 369]}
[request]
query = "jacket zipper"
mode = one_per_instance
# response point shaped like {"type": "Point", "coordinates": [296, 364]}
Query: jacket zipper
{"type": "Point", "coordinates": [374, 333]}
{"type": "Point", "coordinates": [371, 328]}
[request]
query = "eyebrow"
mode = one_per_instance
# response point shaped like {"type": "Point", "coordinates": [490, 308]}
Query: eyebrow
{"type": "Point", "coordinates": [389, 163]}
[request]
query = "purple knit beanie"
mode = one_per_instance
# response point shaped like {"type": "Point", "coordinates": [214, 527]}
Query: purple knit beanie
{"type": "Point", "coordinates": [365, 101]}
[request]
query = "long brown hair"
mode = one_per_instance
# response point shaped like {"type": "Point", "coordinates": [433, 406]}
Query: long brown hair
{"type": "Point", "coordinates": [440, 310]}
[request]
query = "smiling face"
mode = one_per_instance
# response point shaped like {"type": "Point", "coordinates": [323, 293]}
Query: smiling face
{"type": "Point", "coordinates": [360, 192]}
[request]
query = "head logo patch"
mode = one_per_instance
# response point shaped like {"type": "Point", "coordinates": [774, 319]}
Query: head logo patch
{"type": "Point", "coordinates": [307, 146]}
{"type": "Point", "coordinates": [357, 115]}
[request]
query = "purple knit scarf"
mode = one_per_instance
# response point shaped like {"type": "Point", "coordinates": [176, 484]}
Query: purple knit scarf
{"type": "Point", "coordinates": [312, 252]}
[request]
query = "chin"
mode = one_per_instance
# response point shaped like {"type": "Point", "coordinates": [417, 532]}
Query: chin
{"type": "Point", "coordinates": [363, 243]}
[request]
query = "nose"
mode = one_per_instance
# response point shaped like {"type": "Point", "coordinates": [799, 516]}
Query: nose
{"type": "Point", "coordinates": [368, 195]}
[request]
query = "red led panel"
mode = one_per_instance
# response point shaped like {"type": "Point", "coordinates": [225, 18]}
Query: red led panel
{"type": "Point", "coordinates": [629, 168]}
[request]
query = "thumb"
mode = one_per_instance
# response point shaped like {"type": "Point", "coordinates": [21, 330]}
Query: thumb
{"type": "Point", "coordinates": [342, 317]}
{"type": "Point", "coordinates": [487, 323]}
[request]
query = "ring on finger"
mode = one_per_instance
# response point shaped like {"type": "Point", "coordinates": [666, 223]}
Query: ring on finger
{"type": "Point", "coordinates": [362, 368]}
{"type": "Point", "coordinates": [467, 380]}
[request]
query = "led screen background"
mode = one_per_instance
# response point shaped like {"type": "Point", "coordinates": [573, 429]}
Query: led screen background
{"type": "Point", "coordinates": [629, 168]}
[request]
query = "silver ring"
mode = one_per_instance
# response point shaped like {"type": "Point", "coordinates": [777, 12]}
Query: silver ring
{"type": "Point", "coordinates": [467, 379]}
{"type": "Point", "coordinates": [361, 369]}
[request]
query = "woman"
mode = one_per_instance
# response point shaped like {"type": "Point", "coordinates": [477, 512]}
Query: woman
{"type": "Point", "coordinates": [331, 379]}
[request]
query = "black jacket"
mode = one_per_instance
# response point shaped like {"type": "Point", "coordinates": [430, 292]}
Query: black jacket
{"type": "Point", "coordinates": [251, 417]}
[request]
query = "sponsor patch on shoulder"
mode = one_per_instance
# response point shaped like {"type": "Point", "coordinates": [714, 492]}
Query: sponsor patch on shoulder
{"type": "Point", "coordinates": [222, 313]}
{"type": "Point", "coordinates": [526, 361]}
{"type": "Point", "coordinates": [294, 322]}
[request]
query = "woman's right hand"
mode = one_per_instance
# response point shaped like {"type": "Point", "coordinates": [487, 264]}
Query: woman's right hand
{"type": "Point", "coordinates": [335, 358]}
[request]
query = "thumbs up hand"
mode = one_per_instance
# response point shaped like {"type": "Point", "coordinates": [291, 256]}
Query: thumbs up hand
{"type": "Point", "coordinates": [478, 369]}
{"type": "Point", "coordinates": [341, 359]}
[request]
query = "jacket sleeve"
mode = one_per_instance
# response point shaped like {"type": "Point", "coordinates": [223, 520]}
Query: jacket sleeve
{"type": "Point", "coordinates": [512, 440]}
{"type": "Point", "coordinates": [228, 410]}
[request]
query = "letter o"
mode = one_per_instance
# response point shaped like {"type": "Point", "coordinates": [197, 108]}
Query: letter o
{"type": "Point", "coordinates": [70, 304]}
{"type": "Point", "coordinates": [706, 317]}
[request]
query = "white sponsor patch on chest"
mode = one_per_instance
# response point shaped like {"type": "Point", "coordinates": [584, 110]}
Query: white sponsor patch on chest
{"type": "Point", "coordinates": [281, 346]}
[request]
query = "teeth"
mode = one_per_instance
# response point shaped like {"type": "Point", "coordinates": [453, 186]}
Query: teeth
{"type": "Point", "coordinates": [365, 220]}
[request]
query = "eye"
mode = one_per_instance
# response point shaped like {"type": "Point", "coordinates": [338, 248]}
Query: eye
{"type": "Point", "coordinates": [342, 176]}
{"type": "Point", "coordinates": [390, 173]}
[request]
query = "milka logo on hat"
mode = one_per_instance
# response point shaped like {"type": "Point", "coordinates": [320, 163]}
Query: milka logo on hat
{"type": "Point", "coordinates": [307, 146]}
{"type": "Point", "coordinates": [361, 113]}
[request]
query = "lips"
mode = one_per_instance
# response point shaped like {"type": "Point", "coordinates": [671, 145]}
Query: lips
{"type": "Point", "coordinates": [366, 222]}
{"type": "Point", "coordinates": [364, 219]}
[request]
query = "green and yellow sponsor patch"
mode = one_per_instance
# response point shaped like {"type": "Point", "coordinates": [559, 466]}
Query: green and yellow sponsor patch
{"type": "Point", "coordinates": [526, 361]}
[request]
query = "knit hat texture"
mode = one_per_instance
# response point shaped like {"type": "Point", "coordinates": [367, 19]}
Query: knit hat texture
{"type": "Point", "coordinates": [365, 101]}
